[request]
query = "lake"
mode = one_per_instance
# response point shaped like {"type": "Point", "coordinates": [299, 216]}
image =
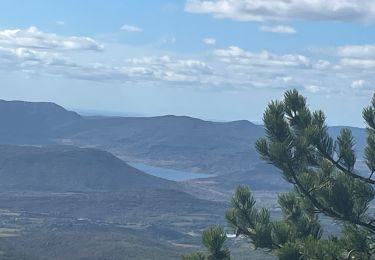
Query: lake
{"type": "Point", "coordinates": [172, 175]}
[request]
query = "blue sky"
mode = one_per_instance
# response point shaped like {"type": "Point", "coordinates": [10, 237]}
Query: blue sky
{"type": "Point", "coordinates": [219, 60]}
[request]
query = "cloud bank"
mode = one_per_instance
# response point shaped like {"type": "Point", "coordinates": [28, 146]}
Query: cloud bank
{"type": "Point", "coordinates": [284, 10]}
{"type": "Point", "coordinates": [34, 52]}
{"type": "Point", "coordinates": [35, 39]}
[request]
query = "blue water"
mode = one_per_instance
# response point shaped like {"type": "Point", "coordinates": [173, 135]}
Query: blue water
{"type": "Point", "coordinates": [172, 175]}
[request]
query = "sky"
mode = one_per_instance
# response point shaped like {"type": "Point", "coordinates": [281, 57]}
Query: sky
{"type": "Point", "coordinates": [218, 60]}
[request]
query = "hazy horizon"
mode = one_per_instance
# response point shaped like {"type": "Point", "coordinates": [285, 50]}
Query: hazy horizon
{"type": "Point", "coordinates": [104, 113]}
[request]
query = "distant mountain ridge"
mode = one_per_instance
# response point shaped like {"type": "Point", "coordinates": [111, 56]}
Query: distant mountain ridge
{"type": "Point", "coordinates": [32, 122]}
{"type": "Point", "coordinates": [63, 168]}
{"type": "Point", "coordinates": [179, 142]}
{"type": "Point", "coordinates": [171, 141]}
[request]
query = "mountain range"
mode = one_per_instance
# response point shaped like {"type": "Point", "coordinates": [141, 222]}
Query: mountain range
{"type": "Point", "coordinates": [65, 175]}
{"type": "Point", "coordinates": [179, 142]}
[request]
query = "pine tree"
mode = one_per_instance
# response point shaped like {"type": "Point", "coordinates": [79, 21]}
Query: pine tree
{"type": "Point", "coordinates": [322, 171]}
{"type": "Point", "coordinates": [213, 239]}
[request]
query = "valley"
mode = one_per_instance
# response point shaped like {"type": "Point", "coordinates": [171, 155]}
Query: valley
{"type": "Point", "coordinates": [67, 191]}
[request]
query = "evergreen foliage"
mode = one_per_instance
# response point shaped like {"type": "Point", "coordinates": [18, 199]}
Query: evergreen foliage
{"type": "Point", "coordinates": [322, 171]}
{"type": "Point", "coordinates": [213, 239]}
{"type": "Point", "coordinates": [194, 256]}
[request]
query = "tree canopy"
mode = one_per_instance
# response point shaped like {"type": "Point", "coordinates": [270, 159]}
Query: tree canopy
{"type": "Point", "coordinates": [322, 170]}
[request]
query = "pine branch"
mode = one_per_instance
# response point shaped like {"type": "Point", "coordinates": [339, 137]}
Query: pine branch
{"type": "Point", "coordinates": [328, 211]}
{"type": "Point", "coordinates": [372, 172]}
{"type": "Point", "coordinates": [343, 169]}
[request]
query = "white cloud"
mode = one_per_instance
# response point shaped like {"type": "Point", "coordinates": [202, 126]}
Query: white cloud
{"type": "Point", "coordinates": [285, 79]}
{"type": "Point", "coordinates": [359, 57]}
{"type": "Point", "coordinates": [357, 51]}
{"type": "Point", "coordinates": [278, 29]}
{"type": "Point", "coordinates": [209, 41]}
{"type": "Point", "coordinates": [282, 10]}
{"type": "Point", "coordinates": [35, 39]}
{"type": "Point", "coordinates": [312, 88]}
{"type": "Point", "coordinates": [230, 68]}
{"type": "Point", "coordinates": [45, 53]}
{"type": "Point", "coordinates": [166, 68]}
{"type": "Point", "coordinates": [358, 83]}
{"type": "Point", "coordinates": [358, 63]}
{"type": "Point", "coordinates": [61, 23]}
{"type": "Point", "coordinates": [163, 69]}
{"type": "Point", "coordinates": [34, 61]}
{"type": "Point", "coordinates": [322, 64]}
{"type": "Point", "coordinates": [130, 28]}
{"type": "Point", "coordinates": [236, 55]}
